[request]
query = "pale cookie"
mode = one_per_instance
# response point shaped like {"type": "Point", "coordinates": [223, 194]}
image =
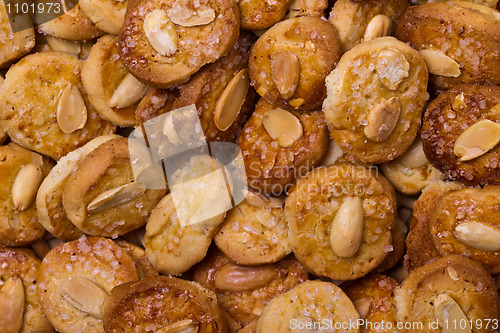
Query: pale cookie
{"type": "Point", "coordinates": [21, 172]}
{"type": "Point", "coordinates": [340, 220]}
{"type": "Point", "coordinates": [375, 99]}
{"type": "Point", "coordinates": [107, 15]}
{"type": "Point", "coordinates": [44, 107]}
{"type": "Point", "coordinates": [76, 277]}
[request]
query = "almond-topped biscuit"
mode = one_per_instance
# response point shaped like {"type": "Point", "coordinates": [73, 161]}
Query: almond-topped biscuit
{"type": "Point", "coordinates": [257, 15]}
{"type": "Point", "coordinates": [289, 62]}
{"type": "Point", "coordinates": [21, 309]}
{"type": "Point", "coordinates": [107, 15]}
{"type": "Point", "coordinates": [375, 99]}
{"type": "Point", "coordinates": [163, 304]}
{"type": "Point", "coordinates": [21, 172]}
{"type": "Point", "coordinates": [44, 107]}
{"type": "Point", "coordinates": [175, 38]}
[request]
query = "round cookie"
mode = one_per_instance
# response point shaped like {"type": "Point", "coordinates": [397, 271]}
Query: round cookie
{"type": "Point", "coordinates": [43, 105]}
{"type": "Point", "coordinates": [396, 250]}
{"type": "Point", "coordinates": [101, 196]}
{"type": "Point", "coordinates": [107, 15]}
{"type": "Point", "coordinates": [467, 222]}
{"type": "Point", "coordinates": [174, 39]}
{"type": "Point", "coordinates": [467, 50]}
{"type": "Point", "coordinates": [289, 62]}
{"type": "Point", "coordinates": [254, 232]}
{"type": "Point", "coordinates": [450, 122]}
{"type": "Point", "coordinates": [411, 172]}
{"type": "Point", "coordinates": [453, 288]}
{"type": "Point", "coordinates": [111, 89]}
{"type": "Point", "coordinates": [362, 21]}
{"type": "Point", "coordinates": [19, 278]}
{"type": "Point", "coordinates": [257, 15]}
{"type": "Point", "coordinates": [243, 291]}
{"type": "Point", "coordinates": [340, 220]}
{"type": "Point", "coordinates": [299, 8]}
{"type": "Point", "coordinates": [308, 305]}
{"type": "Point", "coordinates": [21, 172]}
{"type": "Point", "coordinates": [279, 146]}
{"type": "Point", "coordinates": [375, 99]}
{"type": "Point", "coordinates": [163, 304]}
{"type": "Point", "coordinates": [76, 277]}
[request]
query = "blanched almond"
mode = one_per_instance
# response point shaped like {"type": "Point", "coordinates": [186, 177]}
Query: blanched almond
{"type": "Point", "coordinates": [230, 102]}
{"type": "Point", "coordinates": [363, 306]}
{"type": "Point", "coordinates": [71, 110]}
{"type": "Point", "coordinates": [84, 295]}
{"type": "Point", "coordinates": [478, 236]}
{"type": "Point", "coordinates": [382, 119]}
{"type": "Point", "coordinates": [392, 68]}
{"type": "Point", "coordinates": [160, 32]}
{"type": "Point", "coordinates": [414, 157]}
{"type": "Point", "coordinates": [285, 69]}
{"type": "Point", "coordinates": [450, 316]}
{"type": "Point", "coordinates": [182, 326]}
{"type": "Point", "coordinates": [26, 186]}
{"type": "Point", "coordinates": [438, 63]}
{"type": "Point", "coordinates": [477, 140]}
{"type": "Point", "coordinates": [379, 26]}
{"type": "Point", "coordinates": [187, 15]}
{"type": "Point", "coordinates": [236, 278]}
{"type": "Point", "coordinates": [283, 127]}
{"type": "Point", "coordinates": [115, 197]}
{"type": "Point", "coordinates": [12, 305]}
{"type": "Point", "coordinates": [63, 45]}
{"type": "Point", "coordinates": [129, 91]}
{"type": "Point", "coordinates": [347, 227]}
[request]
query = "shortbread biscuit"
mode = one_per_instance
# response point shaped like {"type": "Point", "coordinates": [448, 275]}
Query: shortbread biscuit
{"type": "Point", "coordinates": [289, 62]}
{"type": "Point", "coordinates": [318, 208]}
{"type": "Point", "coordinates": [107, 15]}
{"type": "Point", "coordinates": [43, 105]}
{"type": "Point", "coordinates": [257, 15]}
{"type": "Point", "coordinates": [21, 172]}
{"type": "Point", "coordinates": [375, 99]}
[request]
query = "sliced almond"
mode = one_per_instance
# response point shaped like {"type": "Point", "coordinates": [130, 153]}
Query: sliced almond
{"type": "Point", "coordinates": [260, 201]}
{"type": "Point", "coordinates": [26, 186]}
{"type": "Point", "coordinates": [459, 102]}
{"type": "Point", "coordinates": [160, 32]}
{"type": "Point", "coordinates": [283, 127]}
{"type": "Point", "coordinates": [169, 129]}
{"type": "Point", "coordinates": [186, 14]}
{"type": "Point", "coordinates": [392, 68]}
{"type": "Point", "coordinates": [379, 26]}
{"type": "Point", "coordinates": [71, 110]}
{"type": "Point", "coordinates": [382, 119]}
{"type": "Point", "coordinates": [478, 236]}
{"type": "Point", "coordinates": [477, 140]}
{"type": "Point", "coordinates": [63, 45]}
{"type": "Point", "coordinates": [115, 197]}
{"type": "Point", "coordinates": [84, 295]}
{"type": "Point", "coordinates": [363, 306]}
{"type": "Point", "coordinates": [182, 326]}
{"type": "Point", "coordinates": [438, 63]}
{"type": "Point", "coordinates": [285, 69]}
{"type": "Point", "coordinates": [452, 273]}
{"type": "Point", "coordinates": [414, 157]}
{"type": "Point", "coordinates": [12, 303]}
{"type": "Point", "coordinates": [230, 102]}
{"type": "Point", "coordinates": [129, 91]}
{"type": "Point", "coordinates": [236, 278]}
{"type": "Point", "coordinates": [450, 316]}
{"type": "Point", "coordinates": [347, 227]}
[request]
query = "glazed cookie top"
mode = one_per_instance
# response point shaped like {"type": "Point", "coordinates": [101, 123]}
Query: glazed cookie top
{"type": "Point", "coordinates": [460, 133]}
{"type": "Point", "coordinates": [340, 219]}
{"type": "Point", "coordinates": [375, 99]}
{"type": "Point", "coordinates": [173, 39]}
{"type": "Point", "coordinates": [163, 304]}
{"type": "Point", "coordinates": [44, 107]}
{"type": "Point", "coordinates": [289, 62]}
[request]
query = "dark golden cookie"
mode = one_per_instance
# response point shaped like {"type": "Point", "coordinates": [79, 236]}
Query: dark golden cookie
{"type": "Point", "coordinates": [373, 297]}
{"type": "Point", "coordinates": [289, 62]}
{"type": "Point", "coordinates": [21, 310]}
{"type": "Point", "coordinates": [243, 291]}
{"type": "Point", "coordinates": [299, 8]}
{"type": "Point", "coordinates": [279, 146]}
{"type": "Point", "coordinates": [452, 292]}
{"type": "Point", "coordinates": [174, 39]}
{"type": "Point", "coordinates": [340, 220]}
{"type": "Point", "coordinates": [163, 304]}
{"type": "Point", "coordinates": [257, 15]}
{"type": "Point", "coordinates": [459, 133]}
{"type": "Point", "coordinates": [156, 102]}
{"type": "Point", "coordinates": [397, 249]}
{"type": "Point", "coordinates": [461, 45]}
{"type": "Point", "coordinates": [21, 173]}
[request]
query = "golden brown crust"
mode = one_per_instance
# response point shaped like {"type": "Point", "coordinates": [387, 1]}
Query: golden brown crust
{"type": "Point", "coordinates": [156, 102]}
{"type": "Point", "coordinates": [138, 255]}
{"type": "Point", "coordinates": [256, 15]}
{"type": "Point", "coordinates": [108, 15]}
{"type": "Point", "coordinates": [398, 247]}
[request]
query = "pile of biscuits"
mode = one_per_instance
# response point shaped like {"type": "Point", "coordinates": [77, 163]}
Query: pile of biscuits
{"type": "Point", "coordinates": [370, 136]}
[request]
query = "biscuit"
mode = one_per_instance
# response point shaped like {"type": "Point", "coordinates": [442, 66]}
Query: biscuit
{"type": "Point", "coordinates": [375, 99]}
{"type": "Point", "coordinates": [21, 172]}
{"type": "Point", "coordinates": [280, 146]}
{"type": "Point", "coordinates": [257, 15]}
{"type": "Point", "coordinates": [445, 121]}
{"type": "Point", "coordinates": [43, 105]}
{"type": "Point", "coordinates": [156, 102]}
{"type": "Point", "coordinates": [78, 48]}
{"type": "Point", "coordinates": [138, 255]}
{"type": "Point", "coordinates": [163, 304]}
{"type": "Point", "coordinates": [299, 8]}
{"type": "Point", "coordinates": [76, 277]}
{"type": "Point", "coordinates": [466, 50]}
{"type": "Point", "coordinates": [107, 15]}
{"type": "Point", "coordinates": [20, 266]}
{"type": "Point", "coordinates": [189, 38]}
{"type": "Point", "coordinates": [397, 249]}
{"type": "Point", "coordinates": [319, 205]}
